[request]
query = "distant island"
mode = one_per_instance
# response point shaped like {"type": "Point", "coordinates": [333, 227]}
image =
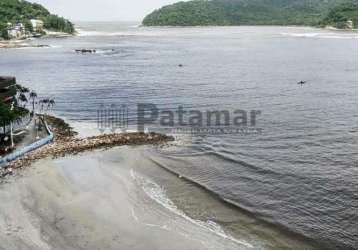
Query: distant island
{"type": "Point", "coordinates": [322, 13]}
{"type": "Point", "coordinates": [20, 19]}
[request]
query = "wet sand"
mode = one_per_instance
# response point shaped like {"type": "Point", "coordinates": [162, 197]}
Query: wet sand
{"type": "Point", "coordinates": [73, 203]}
{"type": "Point", "coordinates": [111, 200]}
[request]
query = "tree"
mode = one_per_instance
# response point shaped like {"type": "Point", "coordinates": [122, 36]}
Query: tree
{"type": "Point", "coordinates": [6, 115]}
{"type": "Point", "coordinates": [22, 89]}
{"type": "Point", "coordinates": [54, 22]}
{"type": "Point", "coordinates": [3, 31]}
{"type": "Point", "coordinates": [23, 99]}
{"type": "Point", "coordinates": [28, 26]}
{"type": "Point", "coordinates": [15, 11]}
{"type": "Point", "coordinates": [33, 96]}
{"type": "Point", "coordinates": [51, 103]}
{"type": "Point", "coordinates": [47, 104]}
{"type": "Point", "coordinates": [242, 12]}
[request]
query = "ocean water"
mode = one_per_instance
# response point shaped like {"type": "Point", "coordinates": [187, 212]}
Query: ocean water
{"type": "Point", "coordinates": [298, 179]}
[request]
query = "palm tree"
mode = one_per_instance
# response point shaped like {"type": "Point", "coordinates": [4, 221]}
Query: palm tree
{"type": "Point", "coordinates": [23, 99]}
{"type": "Point", "coordinates": [45, 103]}
{"type": "Point", "coordinates": [22, 89]}
{"type": "Point", "coordinates": [33, 96]}
{"type": "Point", "coordinates": [51, 103]}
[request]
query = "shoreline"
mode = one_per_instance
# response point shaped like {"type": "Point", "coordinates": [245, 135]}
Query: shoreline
{"type": "Point", "coordinates": [248, 25]}
{"type": "Point", "coordinates": [20, 43]}
{"type": "Point", "coordinates": [12, 44]}
{"type": "Point", "coordinates": [65, 143]}
{"type": "Point", "coordinates": [89, 202]}
{"type": "Point", "coordinates": [23, 43]}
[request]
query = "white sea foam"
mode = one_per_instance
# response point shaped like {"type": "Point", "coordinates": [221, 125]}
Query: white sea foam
{"type": "Point", "coordinates": [133, 32]}
{"type": "Point", "coordinates": [55, 46]}
{"type": "Point", "coordinates": [98, 33]}
{"type": "Point", "coordinates": [158, 194]}
{"type": "Point", "coordinates": [301, 34]}
{"type": "Point", "coordinates": [322, 35]}
{"type": "Point", "coordinates": [87, 129]}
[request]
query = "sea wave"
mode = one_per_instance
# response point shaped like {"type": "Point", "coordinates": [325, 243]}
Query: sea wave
{"type": "Point", "coordinates": [98, 33]}
{"type": "Point", "coordinates": [158, 194]}
{"type": "Point", "coordinates": [322, 35]}
{"type": "Point", "coordinates": [87, 33]}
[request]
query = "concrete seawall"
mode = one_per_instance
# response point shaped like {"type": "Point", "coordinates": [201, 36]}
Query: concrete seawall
{"type": "Point", "coordinates": [22, 151]}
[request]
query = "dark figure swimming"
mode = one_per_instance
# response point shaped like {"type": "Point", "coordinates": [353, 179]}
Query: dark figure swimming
{"type": "Point", "coordinates": [301, 82]}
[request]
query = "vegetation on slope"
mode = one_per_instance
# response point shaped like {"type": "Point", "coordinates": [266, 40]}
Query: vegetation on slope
{"type": "Point", "coordinates": [340, 14]}
{"type": "Point", "coordinates": [56, 23]}
{"type": "Point", "coordinates": [242, 12]}
{"type": "Point", "coordinates": [19, 11]}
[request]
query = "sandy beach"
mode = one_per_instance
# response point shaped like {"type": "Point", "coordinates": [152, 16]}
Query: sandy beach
{"type": "Point", "coordinates": [76, 203]}
{"type": "Point", "coordinates": [96, 195]}
{"type": "Point", "coordinates": [112, 200]}
{"type": "Point", "coordinates": [14, 44]}
{"type": "Point", "coordinates": [26, 43]}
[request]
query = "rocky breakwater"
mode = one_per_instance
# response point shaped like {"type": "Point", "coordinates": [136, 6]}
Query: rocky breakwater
{"type": "Point", "coordinates": [66, 143]}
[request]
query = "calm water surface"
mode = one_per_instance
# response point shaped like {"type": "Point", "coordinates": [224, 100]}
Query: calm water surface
{"type": "Point", "coordinates": [300, 174]}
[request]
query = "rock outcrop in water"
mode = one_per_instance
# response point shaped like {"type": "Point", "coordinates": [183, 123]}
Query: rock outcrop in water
{"type": "Point", "coordinates": [84, 51]}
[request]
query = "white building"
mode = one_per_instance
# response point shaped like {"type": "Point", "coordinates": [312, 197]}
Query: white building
{"type": "Point", "coordinates": [16, 31]}
{"type": "Point", "coordinates": [37, 25]}
{"type": "Point", "coordinates": [349, 24]}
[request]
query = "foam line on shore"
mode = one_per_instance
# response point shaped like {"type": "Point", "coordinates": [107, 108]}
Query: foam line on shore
{"type": "Point", "coordinates": [157, 193]}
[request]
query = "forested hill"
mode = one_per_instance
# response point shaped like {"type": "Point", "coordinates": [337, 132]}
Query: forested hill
{"type": "Point", "coordinates": [246, 12]}
{"type": "Point", "coordinates": [341, 13]}
{"type": "Point", "coordinates": [16, 11]}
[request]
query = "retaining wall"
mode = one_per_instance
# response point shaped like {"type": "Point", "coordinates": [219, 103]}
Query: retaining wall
{"type": "Point", "coordinates": [22, 151]}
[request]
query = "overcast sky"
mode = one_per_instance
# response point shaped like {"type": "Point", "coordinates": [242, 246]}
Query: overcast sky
{"type": "Point", "coordinates": [103, 10]}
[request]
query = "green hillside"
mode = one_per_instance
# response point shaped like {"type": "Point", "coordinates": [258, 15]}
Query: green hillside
{"type": "Point", "coordinates": [340, 14]}
{"type": "Point", "coordinates": [243, 12]}
{"type": "Point", "coordinates": [15, 11]}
